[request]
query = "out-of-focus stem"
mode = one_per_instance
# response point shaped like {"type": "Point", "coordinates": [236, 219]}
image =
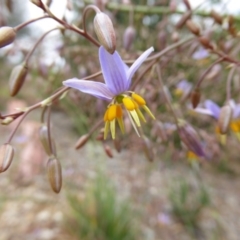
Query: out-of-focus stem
{"type": "Point", "coordinates": [229, 81]}
{"type": "Point", "coordinates": [200, 80]}
{"type": "Point", "coordinates": [22, 25]}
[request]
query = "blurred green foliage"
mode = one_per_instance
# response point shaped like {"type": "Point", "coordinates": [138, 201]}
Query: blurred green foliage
{"type": "Point", "coordinates": [101, 215]}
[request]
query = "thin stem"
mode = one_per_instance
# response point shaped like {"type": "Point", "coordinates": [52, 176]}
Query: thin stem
{"type": "Point", "coordinates": [200, 80]}
{"type": "Point", "coordinates": [38, 42]}
{"type": "Point", "coordinates": [22, 25]}
{"type": "Point", "coordinates": [85, 11]}
{"type": "Point", "coordinates": [229, 81]}
{"type": "Point", "coordinates": [49, 129]}
{"type": "Point", "coordinates": [70, 27]}
{"type": "Point", "coordinates": [164, 93]}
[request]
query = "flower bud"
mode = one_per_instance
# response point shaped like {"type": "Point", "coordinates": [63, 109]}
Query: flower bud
{"type": "Point", "coordinates": [175, 36]}
{"type": "Point", "coordinates": [117, 145]}
{"type": "Point", "coordinates": [7, 36]}
{"type": "Point", "coordinates": [6, 157]}
{"type": "Point", "coordinates": [225, 118]}
{"type": "Point", "coordinates": [82, 141]}
{"type": "Point", "coordinates": [108, 150]}
{"type": "Point", "coordinates": [54, 172]}
{"type": "Point", "coordinates": [217, 18]}
{"type": "Point", "coordinates": [7, 120]}
{"type": "Point", "coordinates": [105, 32]}
{"type": "Point", "coordinates": [195, 97]}
{"type": "Point", "coordinates": [193, 27]}
{"type": "Point", "coordinates": [17, 78]}
{"type": "Point", "coordinates": [205, 42]}
{"type": "Point", "coordinates": [187, 4]}
{"type": "Point", "coordinates": [183, 19]}
{"type": "Point", "coordinates": [128, 37]}
{"type": "Point", "coordinates": [190, 138]}
{"type": "Point", "coordinates": [37, 3]}
{"type": "Point", "coordinates": [43, 135]}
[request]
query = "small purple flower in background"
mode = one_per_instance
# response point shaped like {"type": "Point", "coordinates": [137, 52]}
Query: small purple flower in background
{"type": "Point", "coordinates": [200, 54]}
{"type": "Point", "coordinates": [212, 109]}
{"type": "Point", "coordinates": [117, 76]}
{"type": "Point", "coordinates": [183, 88]}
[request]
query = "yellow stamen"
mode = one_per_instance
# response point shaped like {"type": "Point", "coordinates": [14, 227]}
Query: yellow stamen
{"type": "Point", "coordinates": [105, 118]}
{"type": "Point", "coordinates": [135, 117]}
{"type": "Point", "coordinates": [112, 128]}
{"type": "Point", "coordinates": [112, 112]}
{"type": "Point", "coordinates": [140, 101]}
{"type": "Point", "coordinates": [140, 115]}
{"type": "Point", "coordinates": [119, 111]}
{"type": "Point", "coordinates": [119, 118]}
{"type": "Point", "coordinates": [148, 111]}
{"type": "Point", "coordinates": [128, 103]}
{"type": "Point", "coordinates": [235, 126]}
{"type": "Point", "coordinates": [106, 129]}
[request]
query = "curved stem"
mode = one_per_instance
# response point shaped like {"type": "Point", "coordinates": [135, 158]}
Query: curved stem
{"type": "Point", "coordinates": [38, 42]}
{"type": "Point", "coordinates": [70, 27]}
{"type": "Point", "coordinates": [200, 80]}
{"type": "Point", "coordinates": [49, 129]}
{"type": "Point", "coordinates": [22, 25]}
{"type": "Point", "coordinates": [85, 11]}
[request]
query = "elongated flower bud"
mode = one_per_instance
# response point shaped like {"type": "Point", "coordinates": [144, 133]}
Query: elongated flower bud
{"type": "Point", "coordinates": [195, 97]}
{"type": "Point", "coordinates": [7, 120]}
{"type": "Point", "coordinates": [105, 31]}
{"type": "Point", "coordinates": [183, 19]}
{"type": "Point", "coordinates": [205, 42]}
{"type": "Point", "coordinates": [43, 135]}
{"type": "Point", "coordinates": [54, 172]}
{"type": "Point", "coordinates": [6, 157]}
{"type": "Point", "coordinates": [128, 37]}
{"type": "Point", "coordinates": [7, 36]}
{"type": "Point", "coordinates": [193, 27]}
{"type": "Point", "coordinates": [82, 141]}
{"type": "Point", "coordinates": [225, 118]}
{"type": "Point", "coordinates": [190, 138]}
{"type": "Point", "coordinates": [17, 78]}
{"type": "Point", "coordinates": [108, 151]}
{"type": "Point", "coordinates": [217, 18]}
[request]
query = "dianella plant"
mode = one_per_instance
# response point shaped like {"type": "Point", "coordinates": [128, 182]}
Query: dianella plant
{"type": "Point", "coordinates": [135, 68]}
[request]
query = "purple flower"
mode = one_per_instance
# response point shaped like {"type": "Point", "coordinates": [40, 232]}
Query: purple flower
{"type": "Point", "coordinates": [200, 54]}
{"type": "Point", "coordinates": [212, 109]}
{"type": "Point", "coordinates": [183, 88]}
{"type": "Point", "coordinates": [117, 76]}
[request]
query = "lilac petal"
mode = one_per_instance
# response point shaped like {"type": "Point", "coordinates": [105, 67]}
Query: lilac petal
{"type": "Point", "coordinates": [203, 111]}
{"type": "Point", "coordinates": [213, 107]}
{"type": "Point", "coordinates": [97, 89]}
{"type": "Point", "coordinates": [138, 63]}
{"type": "Point", "coordinates": [236, 111]}
{"type": "Point", "coordinates": [114, 71]}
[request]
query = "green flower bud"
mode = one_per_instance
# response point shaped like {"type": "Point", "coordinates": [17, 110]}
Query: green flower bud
{"type": "Point", "coordinates": [54, 172]}
{"type": "Point", "coordinates": [17, 78]}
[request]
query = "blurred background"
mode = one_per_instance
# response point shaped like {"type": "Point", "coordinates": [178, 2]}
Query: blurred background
{"type": "Point", "coordinates": [132, 188]}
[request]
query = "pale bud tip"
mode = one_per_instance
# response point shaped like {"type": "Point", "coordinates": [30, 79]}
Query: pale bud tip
{"type": "Point", "coordinates": [105, 31]}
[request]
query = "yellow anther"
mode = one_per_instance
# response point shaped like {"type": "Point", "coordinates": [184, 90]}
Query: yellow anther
{"type": "Point", "coordinates": [105, 118]}
{"type": "Point", "coordinates": [140, 101]}
{"type": "Point", "coordinates": [235, 126]}
{"type": "Point", "coordinates": [119, 113]}
{"type": "Point", "coordinates": [112, 112]}
{"type": "Point", "coordinates": [129, 104]}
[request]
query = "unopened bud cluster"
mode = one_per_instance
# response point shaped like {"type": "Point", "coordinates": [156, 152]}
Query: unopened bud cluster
{"type": "Point", "coordinates": [6, 157]}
